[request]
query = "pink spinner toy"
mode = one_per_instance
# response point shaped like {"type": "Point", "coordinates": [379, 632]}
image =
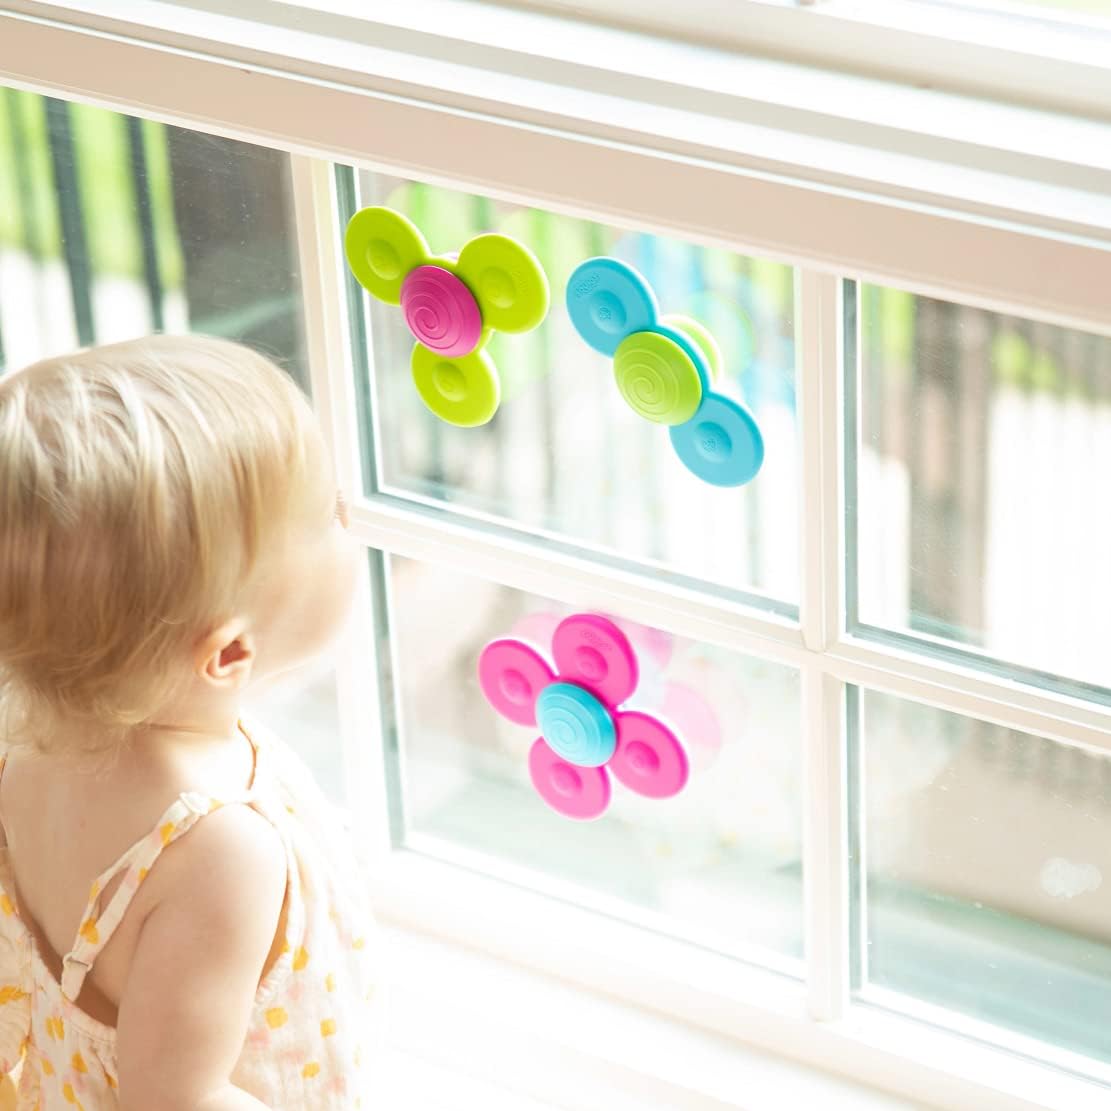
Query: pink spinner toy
{"type": "Point", "coordinates": [586, 738]}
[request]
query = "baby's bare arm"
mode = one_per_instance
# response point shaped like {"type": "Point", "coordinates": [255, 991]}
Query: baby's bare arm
{"type": "Point", "coordinates": [192, 982]}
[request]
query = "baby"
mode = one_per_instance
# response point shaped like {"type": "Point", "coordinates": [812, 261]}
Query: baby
{"type": "Point", "coordinates": [181, 922]}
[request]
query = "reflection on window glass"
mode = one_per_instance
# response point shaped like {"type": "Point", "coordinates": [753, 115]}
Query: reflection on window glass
{"type": "Point", "coordinates": [1042, 8]}
{"type": "Point", "coordinates": [564, 453]}
{"type": "Point", "coordinates": [988, 872]}
{"type": "Point", "coordinates": [720, 862]}
{"type": "Point", "coordinates": [303, 710]}
{"type": "Point", "coordinates": [113, 227]}
{"type": "Point", "coordinates": [984, 442]}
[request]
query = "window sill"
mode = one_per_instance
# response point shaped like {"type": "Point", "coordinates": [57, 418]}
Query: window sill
{"type": "Point", "coordinates": [469, 1030]}
{"type": "Point", "coordinates": [523, 986]}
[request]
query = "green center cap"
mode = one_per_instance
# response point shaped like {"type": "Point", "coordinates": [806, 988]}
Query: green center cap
{"type": "Point", "coordinates": [657, 378]}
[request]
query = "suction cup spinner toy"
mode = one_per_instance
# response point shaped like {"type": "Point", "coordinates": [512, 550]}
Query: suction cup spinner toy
{"type": "Point", "coordinates": [665, 366]}
{"type": "Point", "coordinates": [585, 736]}
{"type": "Point", "coordinates": [451, 305]}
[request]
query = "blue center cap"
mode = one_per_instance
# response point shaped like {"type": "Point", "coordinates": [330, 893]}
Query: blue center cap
{"type": "Point", "coordinates": [576, 725]}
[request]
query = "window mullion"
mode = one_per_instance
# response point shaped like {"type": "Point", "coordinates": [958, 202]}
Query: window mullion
{"type": "Point", "coordinates": [825, 844]}
{"type": "Point", "coordinates": [825, 795]}
{"type": "Point", "coordinates": [329, 358]}
{"type": "Point", "coordinates": [818, 308]}
{"type": "Point", "coordinates": [532, 566]}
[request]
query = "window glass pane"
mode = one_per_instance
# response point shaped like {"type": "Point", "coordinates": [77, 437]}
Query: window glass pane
{"type": "Point", "coordinates": [564, 454]}
{"type": "Point", "coordinates": [984, 442]}
{"type": "Point", "coordinates": [1100, 9]}
{"type": "Point", "coordinates": [720, 862]}
{"type": "Point", "coordinates": [988, 857]}
{"type": "Point", "coordinates": [113, 227]}
{"type": "Point", "coordinates": [303, 710]}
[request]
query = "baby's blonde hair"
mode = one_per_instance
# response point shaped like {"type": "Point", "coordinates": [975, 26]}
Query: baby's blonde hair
{"type": "Point", "coordinates": [139, 482]}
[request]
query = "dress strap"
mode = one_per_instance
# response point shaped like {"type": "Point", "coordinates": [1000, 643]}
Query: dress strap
{"type": "Point", "coordinates": [98, 923]}
{"type": "Point", "coordinates": [3, 765]}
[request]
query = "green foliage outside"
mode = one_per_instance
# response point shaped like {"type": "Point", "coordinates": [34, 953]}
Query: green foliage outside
{"type": "Point", "coordinates": [29, 213]}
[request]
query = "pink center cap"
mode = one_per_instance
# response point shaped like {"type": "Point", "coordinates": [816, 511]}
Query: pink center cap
{"type": "Point", "coordinates": [441, 311]}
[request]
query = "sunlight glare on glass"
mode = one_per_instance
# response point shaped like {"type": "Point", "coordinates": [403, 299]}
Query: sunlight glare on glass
{"type": "Point", "coordinates": [1074, 11]}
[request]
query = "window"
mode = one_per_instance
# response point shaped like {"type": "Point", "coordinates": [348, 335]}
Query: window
{"type": "Point", "coordinates": [586, 469]}
{"type": "Point", "coordinates": [724, 865]}
{"type": "Point", "coordinates": [112, 227]}
{"type": "Point", "coordinates": [981, 445]}
{"type": "Point", "coordinates": [889, 857]}
{"type": "Point", "coordinates": [985, 855]}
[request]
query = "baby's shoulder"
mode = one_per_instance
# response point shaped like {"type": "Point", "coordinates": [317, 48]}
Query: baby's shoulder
{"type": "Point", "coordinates": [230, 862]}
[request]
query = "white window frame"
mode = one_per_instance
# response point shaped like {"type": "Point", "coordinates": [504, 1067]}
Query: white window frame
{"type": "Point", "coordinates": [997, 206]}
{"type": "Point", "coordinates": [1046, 57]}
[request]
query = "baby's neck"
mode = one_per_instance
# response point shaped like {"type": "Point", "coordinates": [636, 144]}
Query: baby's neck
{"type": "Point", "coordinates": [197, 716]}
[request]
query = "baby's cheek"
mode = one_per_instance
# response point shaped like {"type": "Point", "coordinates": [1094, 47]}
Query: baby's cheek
{"type": "Point", "coordinates": [348, 563]}
{"type": "Point", "coordinates": [325, 608]}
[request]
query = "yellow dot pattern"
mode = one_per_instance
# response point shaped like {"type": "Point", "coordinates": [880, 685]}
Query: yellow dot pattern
{"type": "Point", "coordinates": [306, 1028]}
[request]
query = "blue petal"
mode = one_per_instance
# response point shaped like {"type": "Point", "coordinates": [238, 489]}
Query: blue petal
{"type": "Point", "coordinates": [608, 300]}
{"type": "Point", "coordinates": [721, 444]}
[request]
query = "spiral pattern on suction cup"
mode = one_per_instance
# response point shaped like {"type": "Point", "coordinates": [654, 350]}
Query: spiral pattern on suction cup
{"type": "Point", "coordinates": [657, 378]}
{"type": "Point", "coordinates": [576, 725]}
{"type": "Point", "coordinates": [441, 311]}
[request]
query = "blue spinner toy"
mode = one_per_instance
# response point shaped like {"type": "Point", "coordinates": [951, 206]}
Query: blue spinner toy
{"type": "Point", "coordinates": [665, 367]}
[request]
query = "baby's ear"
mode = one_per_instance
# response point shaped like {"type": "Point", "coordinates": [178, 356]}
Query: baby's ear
{"type": "Point", "coordinates": [226, 656]}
